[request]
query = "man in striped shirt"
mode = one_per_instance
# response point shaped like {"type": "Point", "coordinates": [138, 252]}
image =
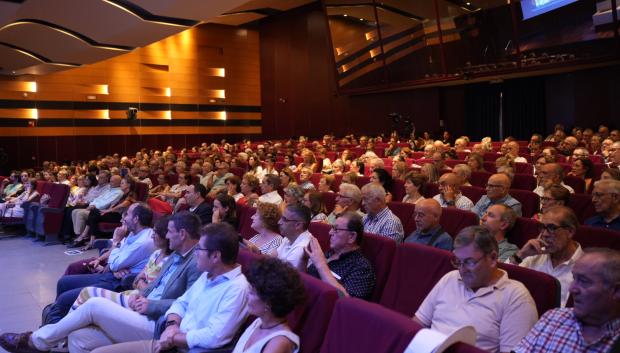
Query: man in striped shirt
{"type": "Point", "coordinates": [380, 220]}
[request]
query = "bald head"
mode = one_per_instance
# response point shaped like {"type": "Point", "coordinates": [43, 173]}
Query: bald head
{"type": "Point", "coordinates": [427, 214]}
{"type": "Point", "coordinates": [115, 181]}
{"type": "Point", "coordinates": [450, 179]}
{"type": "Point", "coordinates": [498, 186]}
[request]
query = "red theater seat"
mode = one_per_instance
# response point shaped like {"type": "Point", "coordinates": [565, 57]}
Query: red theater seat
{"type": "Point", "coordinates": [524, 168]}
{"type": "Point", "coordinates": [321, 232]}
{"type": "Point", "coordinates": [524, 182]}
{"type": "Point", "coordinates": [544, 288]}
{"type": "Point", "coordinates": [582, 205]}
{"type": "Point", "coordinates": [380, 252]}
{"type": "Point", "coordinates": [479, 179]}
{"type": "Point", "coordinates": [530, 202]}
{"type": "Point", "coordinates": [245, 214]}
{"type": "Point", "coordinates": [49, 219]}
{"type": "Point", "coordinates": [589, 236]}
{"type": "Point", "coordinates": [398, 190]}
{"type": "Point", "coordinates": [360, 327]}
{"type": "Point", "coordinates": [524, 230]}
{"type": "Point", "coordinates": [404, 211]}
{"type": "Point", "coordinates": [415, 271]}
{"type": "Point", "coordinates": [329, 198]}
{"type": "Point", "coordinates": [578, 184]}
{"type": "Point", "coordinates": [461, 347]}
{"type": "Point", "coordinates": [474, 193]}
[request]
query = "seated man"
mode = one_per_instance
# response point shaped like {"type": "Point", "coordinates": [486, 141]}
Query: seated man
{"type": "Point", "coordinates": [606, 201]}
{"type": "Point", "coordinates": [593, 324]}
{"type": "Point", "coordinates": [117, 323]}
{"type": "Point", "coordinates": [294, 228]}
{"type": "Point", "coordinates": [218, 179]}
{"type": "Point", "coordinates": [348, 199]}
{"type": "Point", "coordinates": [428, 230]}
{"type": "Point", "coordinates": [343, 266]}
{"type": "Point", "coordinates": [499, 220]}
{"type": "Point", "coordinates": [129, 258]}
{"type": "Point", "coordinates": [380, 220]}
{"type": "Point", "coordinates": [195, 199]}
{"type": "Point", "coordinates": [498, 187]}
{"type": "Point", "coordinates": [450, 193]}
{"type": "Point", "coordinates": [550, 174]}
{"type": "Point", "coordinates": [554, 252]}
{"type": "Point", "coordinates": [479, 294]}
{"type": "Point", "coordinates": [269, 187]}
{"type": "Point", "coordinates": [513, 150]}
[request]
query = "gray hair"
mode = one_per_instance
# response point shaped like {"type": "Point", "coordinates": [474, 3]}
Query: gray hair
{"type": "Point", "coordinates": [610, 268]}
{"type": "Point", "coordinates": [352, 191]}
{"type": "Point", "coordinates": [480, 236]}
{"type": "Point", "coordinates": [609, 185]}
{"type": "Point", "coordinates": [462, 170]}
{"type": "Point", "coordinates": [374, 190]}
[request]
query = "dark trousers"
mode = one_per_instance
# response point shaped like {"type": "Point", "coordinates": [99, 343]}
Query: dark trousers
{"type": "Point", "coordinates": [68, 288]}
{"type": "Point", "coordinates": [95, 217]}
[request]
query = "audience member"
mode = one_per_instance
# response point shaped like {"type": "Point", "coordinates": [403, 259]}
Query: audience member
{"type": "Point", "coordinates": [343, 266]}
{"type": "Point", "coordinates": [450, 193]}
{"type": "Point", "coordinates": [499, 219]}
{"type": "Point", "coordinates": [606, 201]}
{"type": "Point", "coordinates": [314, 201]}
{"type": "Point", "coordinates": [550, 174]}
{"type": "Point", "coordinates": [379, 219]}
{"type": "Point", "coordinates": [415, 185]}
{"type": "Point", "coordinates": [479, 294]}
{"type": "Point", "coordinates": [348, 199]}
{"type": "Point", "coordinates": [554, 195]}
{"type": "Point", "coordinates": [554, 251]}
{"type": "Point", "coordinates": [498, 188]}
{"type": "Point", "coordinates": [225, 210]}
{"type": "Point", "coordinates": [249, 185]}
{"type": "Point", "coordinates": [463, 171]}
{"type": "Point", "coordinates": [593, 323]}
{"type": "Point", "coordinates": [428, 231]}
{"type": "Point", "coordinates": [294, 224]}
{"type": "Point", "coordinates": [265, 222]}
{"type": "Point", "coordinates": [269, 187]}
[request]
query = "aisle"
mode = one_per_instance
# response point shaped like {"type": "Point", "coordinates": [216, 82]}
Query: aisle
{"type": "Point", "coordinates": [28, 275]}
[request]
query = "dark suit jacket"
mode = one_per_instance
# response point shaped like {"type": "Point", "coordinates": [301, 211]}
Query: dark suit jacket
{"type": "Point", "coordinates": [205, 212]}
{"type": "Point", "coordinates": [183, 277]}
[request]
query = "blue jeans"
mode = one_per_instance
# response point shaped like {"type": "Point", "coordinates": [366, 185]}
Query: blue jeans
{"type": "Point", "coordinates": [68, 288]}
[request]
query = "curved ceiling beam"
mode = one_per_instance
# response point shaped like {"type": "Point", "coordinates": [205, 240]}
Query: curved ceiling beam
{"type": "Point", "coordinates": [68, 32]}
{"type": "Point", "coordinates": [37, 56]}
{"type": "Point", "coordinates": [147, 16]}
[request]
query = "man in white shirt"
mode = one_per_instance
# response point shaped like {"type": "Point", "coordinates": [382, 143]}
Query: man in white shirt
{"type": "Point", "coordinates": [479, 294]}
{"type": "Point", "coordinates": [554, 251]}
{"type": "Point", "coordinates": [550, 174]}
{"type": "Point", "coordinates": [513, 150]}
{"type": "Point", "coordinates": [269, 187]}
{"type": "Point", "coordinates": [294, 228]}
{"type": "Point", "coordinates": [450, 193]}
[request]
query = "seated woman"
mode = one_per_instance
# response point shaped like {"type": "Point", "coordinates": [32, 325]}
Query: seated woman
{"type": "Point", "coordinates": [337, 167]}
{"type": "Point", "coordinates": [399, 170]}
{"type": "Point", "coordinates": [111, 215]}
{"type": "Point", "coordinates": [326, 182]}
{"type": "Point", "coordinates": [11, 187]}
{"type": "Point", "coordinates": [430, 172]}
{"type": "Point", "coordinates": [314, 201]}
{"type": "Point", "coordinates": [13, 207]}
{"type": "Point", "coordinates": [415, 185]}
{"type": "Point", "coordinates": [225, 210]}
{"type": "Point", "coordinates": [304, 179]}
{"type": "Point", "coordinates": [165, 202]}
{"type": "Point", "coordinates": [161, 187]}
{"type": "Point", "coordinates": [254, 167]}
{"type": "Point", "coordinates": [265, 222]}
{"type": "Point", "coordinates": [554, 195]}
{"type": "Point", "coordinates": [475, 162]}
{"type": "Point", "coordinates": [610, 174]}
{"type": "Point", "coordinates": [249, 184]}
{"type": "Point", "coordinates": [142, 280]}
{"type": "Point", "coordinates": [233, 187]}
{"type": "Point", "coordinates": [381, 177]}
{"type": "Point", "coordinates": [349, 178]}
{"type": "Point", "coordinates": [293, 195]}
{"type": "Point", "coordinates": [276, 289]}
{"type": "Point", "coordinates": [583, 168]}
{"type": "Point", "coordinates": [289, 162]}
{"type": "Point", "coordinates": [309, 161]}
{"type": "Point", "coordinates": [286, 176]}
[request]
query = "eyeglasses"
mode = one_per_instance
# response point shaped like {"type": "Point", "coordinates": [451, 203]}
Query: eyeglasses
{"type": "Point", "coordinates": [334, 229]}
{"type": "Point", "coordinates": [284, 219]}
{"type": "Point", "coordinates": [468, 262]}
{"type": "Point", "coordinates": [494, 186]}
{"type": "Point", "coordinates": [204, 249]}
{"type": "Point", "coordinates": [598, 195]}
{"type": "Point", "coordinates": [343, 196]}
{"type": "Point", "coordinates": [550, 228]}
{"type": "Point", "coordinates": [547, 199]}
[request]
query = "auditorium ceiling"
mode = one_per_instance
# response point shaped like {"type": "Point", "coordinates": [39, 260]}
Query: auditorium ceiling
{"type": "Point", "coordinates": [43, 36]}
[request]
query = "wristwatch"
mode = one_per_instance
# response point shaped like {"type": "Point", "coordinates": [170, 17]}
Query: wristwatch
{"type": "Point", "coordinates": [171, 323]}
{"type": "Point", "coordinates": [516, 258]}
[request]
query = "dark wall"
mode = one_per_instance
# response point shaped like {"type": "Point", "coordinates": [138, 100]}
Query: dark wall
{"type": "Point", "coordinates": [299, 92]}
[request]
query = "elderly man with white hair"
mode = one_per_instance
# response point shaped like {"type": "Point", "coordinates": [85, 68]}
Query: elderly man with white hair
{"type": "Point", "coordinates": [348, 199]}
{"type": "Point", "coordinates": [380, 220]}
{"type": "Point", "coordinates": [606, 201]}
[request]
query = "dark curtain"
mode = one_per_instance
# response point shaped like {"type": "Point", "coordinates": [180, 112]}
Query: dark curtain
{"type": "Point", "coordinates": [482, 111]}
{"type": "Point", "coordinates": [523, 108]}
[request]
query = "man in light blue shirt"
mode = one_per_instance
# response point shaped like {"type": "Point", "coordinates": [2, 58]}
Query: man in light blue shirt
{"type": "Point", "coordinates": [130, 257]}
{"type": "Point", "coordinates": [498, 187]}
{"type": "Point", "coordinates": [211, 312]}
{"type": "Point", "coordinates": [105, 200]}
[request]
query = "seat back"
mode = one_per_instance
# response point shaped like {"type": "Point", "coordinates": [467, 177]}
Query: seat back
{"type": "Point", "coordinates": [315, 178]}
{"type": "Point", "coordinates": [530, 202]}
{"type": "Point", "coordinates": [523, 230]}
{"type": "Point", "coordinates": [142, 191]}
{"type": "Point", "coordinates": [582, 205]}
{"type": "Point", "coordinates": [544, 288]}
{"type": "Point", "coordinates": [524, 182]}
{"type": "Point", "coordinates": [578, 184]}
{"type": "Point", "coordinates": [245, 214]}
{"type": "Point", "coordinates": [589, 236]}
{"type": "Point", "coordinates": [404, 211]}
{"type": "Point", "coordinates": [461, 347]}
{"type": "Point", "coordinates": [398, 190]}
{"type": "Point", "coordinates": [479, 179]}
{"type": "Point", "coordinates": [329, 198]}
{"type": "Point", "coordinates": [239, 171]}
{"type": "Point", "coordinates": [474, 193]}
{"type": "Point", "coordinates": [380, 252]}
{"type": "Point", "coordinates": [362, 327]}
{"type": "Point", "coordinates": [361, 181]}
{"type": "Point", "coordinates": [432, 189]}
{"type": "Point", "coordinates": [310, 320]}
{"type": "Point", "coordinates": [320, 231]}
{"type": "Point", "coordinates": [59, 193]}
{"type": "Point", "coordinates": [415, 271]}
{"type": "Point", "coordinates": [524, 168]}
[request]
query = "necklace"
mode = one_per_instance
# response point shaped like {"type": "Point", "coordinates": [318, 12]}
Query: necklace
{"type": "Point", "coordinates": [272, 326]}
